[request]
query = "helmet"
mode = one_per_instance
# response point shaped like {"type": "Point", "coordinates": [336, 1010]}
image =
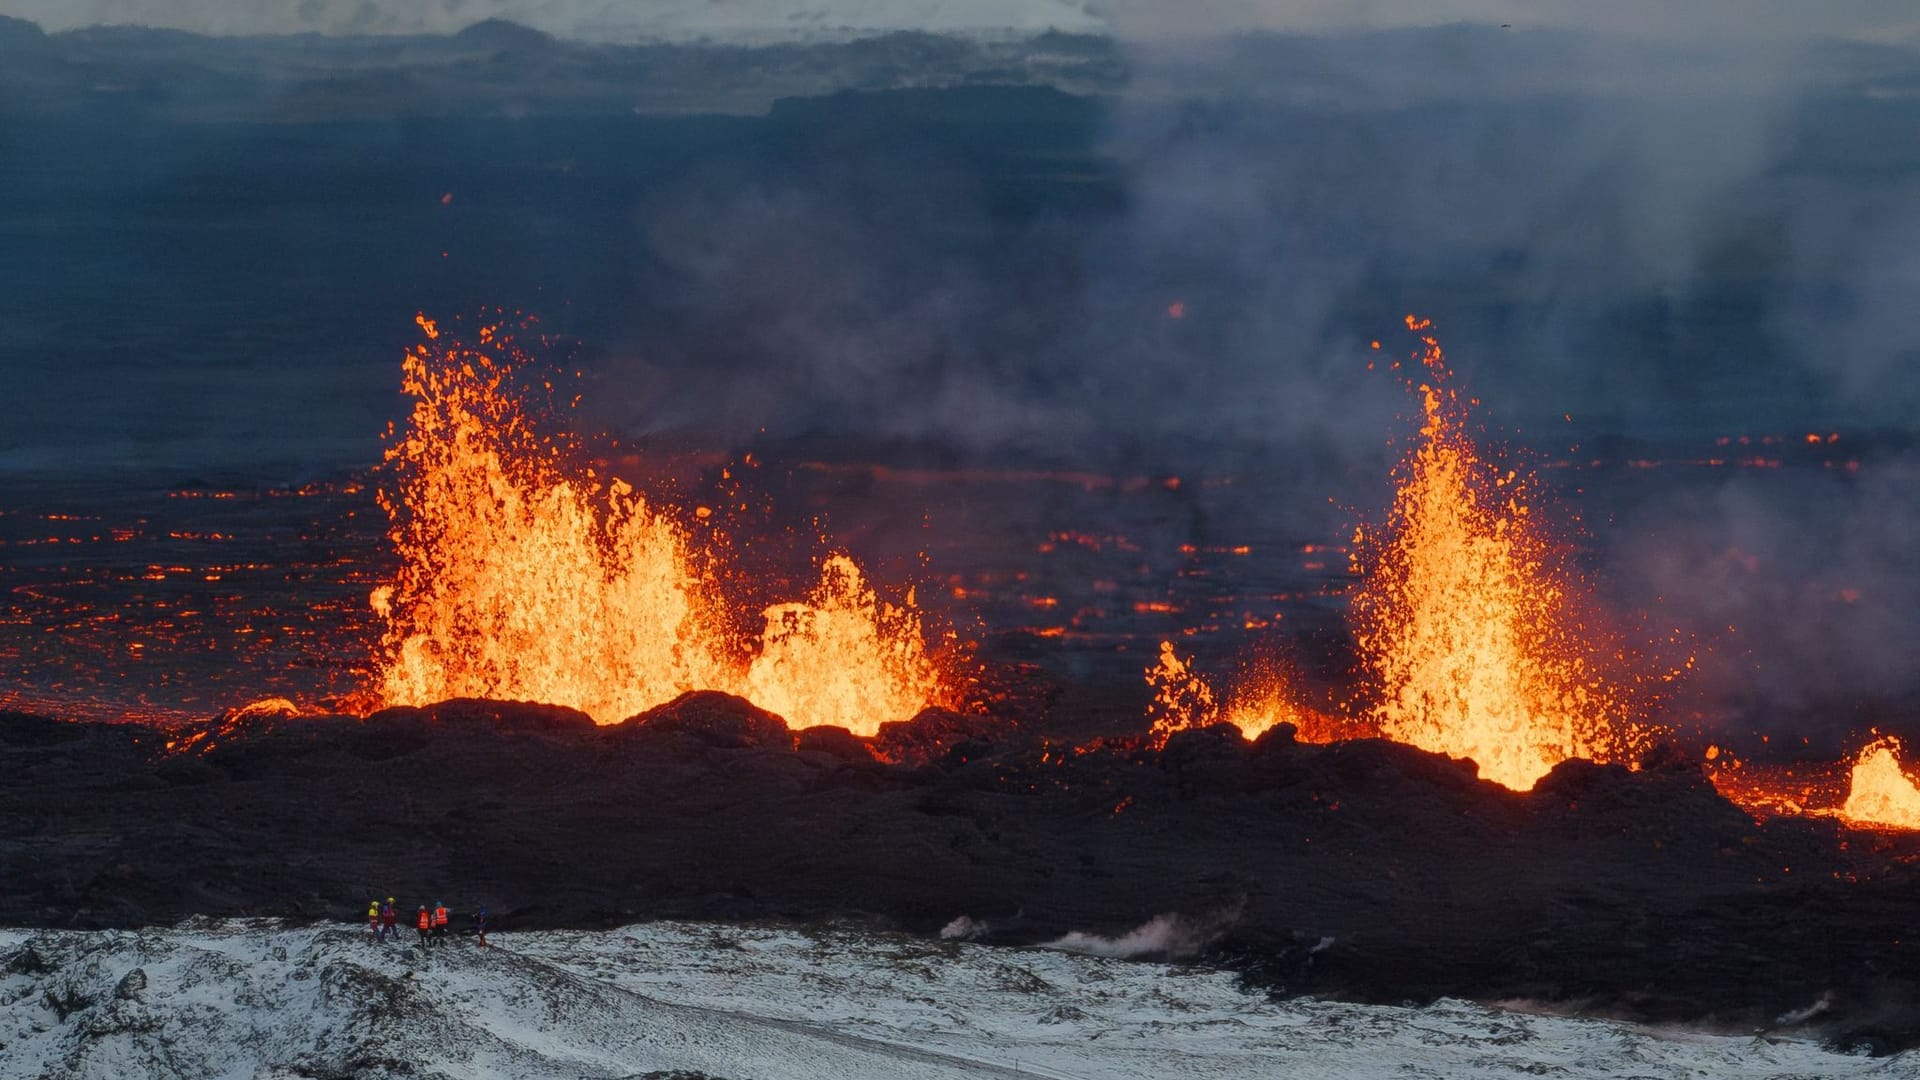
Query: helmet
{"type": "Point", "coordinates": [389, 899]}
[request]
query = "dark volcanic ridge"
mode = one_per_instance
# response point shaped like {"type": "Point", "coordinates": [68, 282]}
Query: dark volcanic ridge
{"type": "Point", "coordinates": [1364, 870]}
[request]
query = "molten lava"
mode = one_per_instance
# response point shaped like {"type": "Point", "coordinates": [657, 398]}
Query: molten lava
{"type": "Point", "coordinates": [844, 657]}
{"type": "Point", "coordinates": [1263, 698]}
{"type": "Point", "coordinates": [1181, 698]}
{"type": "Point", "coordinates": [1468, 631]}
{"type": "Point", "coordinates": [1881, 795]}
{"type": "Point", "coordinates": [524, 577]}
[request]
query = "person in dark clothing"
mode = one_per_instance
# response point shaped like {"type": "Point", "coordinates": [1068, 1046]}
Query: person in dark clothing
{"type": "Point", "coordinates": [480, 925]}
{"type": "Point", "coordinates": [389, 921]}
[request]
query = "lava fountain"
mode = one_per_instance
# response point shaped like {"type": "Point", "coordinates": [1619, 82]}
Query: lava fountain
{"type": "Point", "coordinates": [1470, 633]}
{"type": "Point", "coordinates": [843, 657]}
{"type": "Point", "coordinates": [526, 577]}
{"type": "Point", "coordinates": [1881, 795]}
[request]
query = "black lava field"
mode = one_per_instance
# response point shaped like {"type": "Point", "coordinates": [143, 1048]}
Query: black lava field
{"type": "Point", "coordinates": [1364, 870]}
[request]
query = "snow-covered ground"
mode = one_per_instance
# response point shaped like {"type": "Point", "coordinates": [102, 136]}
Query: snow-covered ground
{"type": "Point", "coordinates": [250, 999]}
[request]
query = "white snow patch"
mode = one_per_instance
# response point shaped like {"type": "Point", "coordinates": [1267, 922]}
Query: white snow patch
{"type": "Point", "coordinates": [251, 999]}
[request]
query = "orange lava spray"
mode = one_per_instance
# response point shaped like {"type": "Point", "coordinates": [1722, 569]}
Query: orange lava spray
{"type": "Point", "coordinates": [526, 577]}
{"type": "Point", "coordinates": [1468, 630]}
{"type": "Point", "coordinates": [1880, 794]}
{"type": "Point", "coordinates": [1263, 698]}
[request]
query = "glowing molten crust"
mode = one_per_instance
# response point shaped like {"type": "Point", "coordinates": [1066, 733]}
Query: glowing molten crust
{"type": "Point", "coordinates": [1465, 630]}
{"type": "Point", "coordinates": [1880, 794]}
{"type": "Point", "coordinates": [522, 581]}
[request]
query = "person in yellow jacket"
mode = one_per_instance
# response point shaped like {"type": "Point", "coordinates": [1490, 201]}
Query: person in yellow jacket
{"type": "Point", "coordinates": [373, 920]}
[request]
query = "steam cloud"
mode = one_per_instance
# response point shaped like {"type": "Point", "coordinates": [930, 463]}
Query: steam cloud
{"type": "Point", "coordinates": [1162, 935]}
{"type": "Point", "coordinates": [1801, 1016]}
{"type": "Point", "coordinates": [964, 928]}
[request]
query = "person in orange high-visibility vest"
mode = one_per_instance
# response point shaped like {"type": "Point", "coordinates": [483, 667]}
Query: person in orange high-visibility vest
{"type": "Point", "coordinates": [425, 923]}
{"type": "Point", "coordinates": [440, 923]}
